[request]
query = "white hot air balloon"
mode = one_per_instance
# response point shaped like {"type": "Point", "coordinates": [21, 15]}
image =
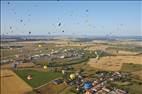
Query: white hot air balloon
{"type": "Point", "coordinates": [72, 76]}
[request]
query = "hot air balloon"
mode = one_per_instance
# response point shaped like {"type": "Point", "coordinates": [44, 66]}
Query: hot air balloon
{"type": "Point", "coordinates": [59, 24]}
{"type": "Point", "coordinates": [29, 32]}
{"type": "Point", "coordinates": [44, 67]}
{"type": "Point", "coordinates": [39, 45]}
{"type": "Point", "coordinates": [63, 71]}
{"type": "Point", "coordinates": [72, 76]}
{"type": "Point", "coordinates": [86, 10]}
{"type": "Point", "coordinates": [21, 20]}
{"type": "Point", "coordinates": [10, 27]}
{"type": "Point", "coordinates": [29, 77]}
{"type": "Point", "coordinates": [8, 3]}
{"type": "Point", "coordinates": [87, 85]}
{"type": "Point", "coordinates": [97, 55]}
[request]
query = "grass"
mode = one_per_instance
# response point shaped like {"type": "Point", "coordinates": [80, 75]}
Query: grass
{"type": "Point", "coordinates": [131, 87]}
{"type": "Point", "coordinates": [62, 62]}
{"type": "Point", "coordinates": [122, 83]}
{"type": "Point", "coordinates": [127, 48]}
{"type": "Point", "coordinates": [129, 67]}
{"type": "Point", "coordinates": [39, 78]}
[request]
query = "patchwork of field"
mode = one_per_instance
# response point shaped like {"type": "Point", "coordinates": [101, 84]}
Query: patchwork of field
{"type": "Point", "coordinates": [114, 63]}
{"type": "Point", "coordinates": [124, 58]}
{"type": "Point", "coordinates": [12, 84]}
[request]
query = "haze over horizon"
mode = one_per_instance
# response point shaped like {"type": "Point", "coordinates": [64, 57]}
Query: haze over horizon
{"type": "Point", "coordinates": [96, 18]}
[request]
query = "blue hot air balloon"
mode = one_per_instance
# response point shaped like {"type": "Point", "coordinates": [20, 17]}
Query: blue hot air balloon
{"type": "Point", "coordinates": [87, 85]}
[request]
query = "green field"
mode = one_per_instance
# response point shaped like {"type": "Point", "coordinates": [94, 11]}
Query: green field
{"type": "Point", "coordinates": [39, 78]}
{"type": "Point", "coordinates": [126, 48]}
{"type": "Point", "coordinates": [133, 87]}
{"type": "Point", "coordinates": [129, 67]}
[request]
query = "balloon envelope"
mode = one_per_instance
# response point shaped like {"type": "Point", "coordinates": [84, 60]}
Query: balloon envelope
{"type": "Point", "coordinates": [72, 76]}
{"type": "Point", "coordinates": [45, 67]}
{"type": "Point", "coordinates": [87, 85]}
{"type": "Point", "coordinates": [39, 45]}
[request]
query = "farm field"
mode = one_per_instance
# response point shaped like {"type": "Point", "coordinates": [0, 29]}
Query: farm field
{"type": "Point", "coordinates": [53, 89]}
{"type": "Point", "coordinates": [22, 65]}
{"type": "Point", "coordinates": [12, 84]}
{"type": "Point", "coordinates": [38, 78]}
{"type": "Point", "coordinates": [124, 61]}
{"type": "Point", "coordinates": [114, 63]}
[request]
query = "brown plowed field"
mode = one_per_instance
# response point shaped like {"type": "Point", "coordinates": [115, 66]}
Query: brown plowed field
{"type": "Point", "coordinates": [12, 84]}
{"type": "Point", "coordinates": [114, 63]}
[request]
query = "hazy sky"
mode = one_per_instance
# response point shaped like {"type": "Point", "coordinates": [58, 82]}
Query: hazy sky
{"type": "Point", "coordinates": [75, 18]}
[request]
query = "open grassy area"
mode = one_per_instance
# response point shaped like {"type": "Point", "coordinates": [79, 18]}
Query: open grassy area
{"type": "Point", "coordinates": [132, 86]}
{"type": "Point", "coordinates": [129, 67]}
{"type": "Point", "coordinates": [127, 48]}
{"type": "Point", "coordinates": [39, 78]}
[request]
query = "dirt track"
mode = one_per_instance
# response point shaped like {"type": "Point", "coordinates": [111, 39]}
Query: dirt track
{"type": "Point", "coordinates": [12, 84]}
{"type": "Point", "coordinates": [114, 63]}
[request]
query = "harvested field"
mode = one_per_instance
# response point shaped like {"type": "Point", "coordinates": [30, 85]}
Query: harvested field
{"type": "Point", "coordinates": [137, 74]}
{"type": "Point", "coordinates": [22, 65]}
{"type": "Point", "coordinates": [114, 63]}
{"type": "Point", "coordinates": [52, 89]}
{"type": "Point", "coordinates": [12, 84]}
{"type": "Point", "coordinates": [97, 47]}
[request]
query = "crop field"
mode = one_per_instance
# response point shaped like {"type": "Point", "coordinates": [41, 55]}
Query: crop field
{"type": "Point", "coordinates": [114, 63]}
{"type": "Point", "coordinates": [130, 67]}
{"type": "Point", "coordinates": [133, 86]}
{"type": "Point", "coordinates": [53, 89]}
{"type": "Point", "coordinates": [22, 65]}
{"type": "Point", "coordinates": [137, 74]}
{"type": "Point", "coordinates": [88, 64]}
{"type": "Point", "coordinates": [132, 49]}
{"type": "Point", "coordinates": [39, 78]}
{"type": "Point", "coordinates": [12, 84]}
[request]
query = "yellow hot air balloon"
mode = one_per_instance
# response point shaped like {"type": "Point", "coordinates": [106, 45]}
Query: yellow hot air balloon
{"type": "Point", "coordinates": [63, 71]}
{"type": "Point", "coordinates": [39, 45]}
{"type": "Point", "coordinates": [45, 67]}
{"type": "Point", "coordinates": [72, 76]}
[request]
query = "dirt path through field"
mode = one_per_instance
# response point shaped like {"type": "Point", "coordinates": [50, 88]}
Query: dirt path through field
{"type": "Point", "coordinates": [12, 84]}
